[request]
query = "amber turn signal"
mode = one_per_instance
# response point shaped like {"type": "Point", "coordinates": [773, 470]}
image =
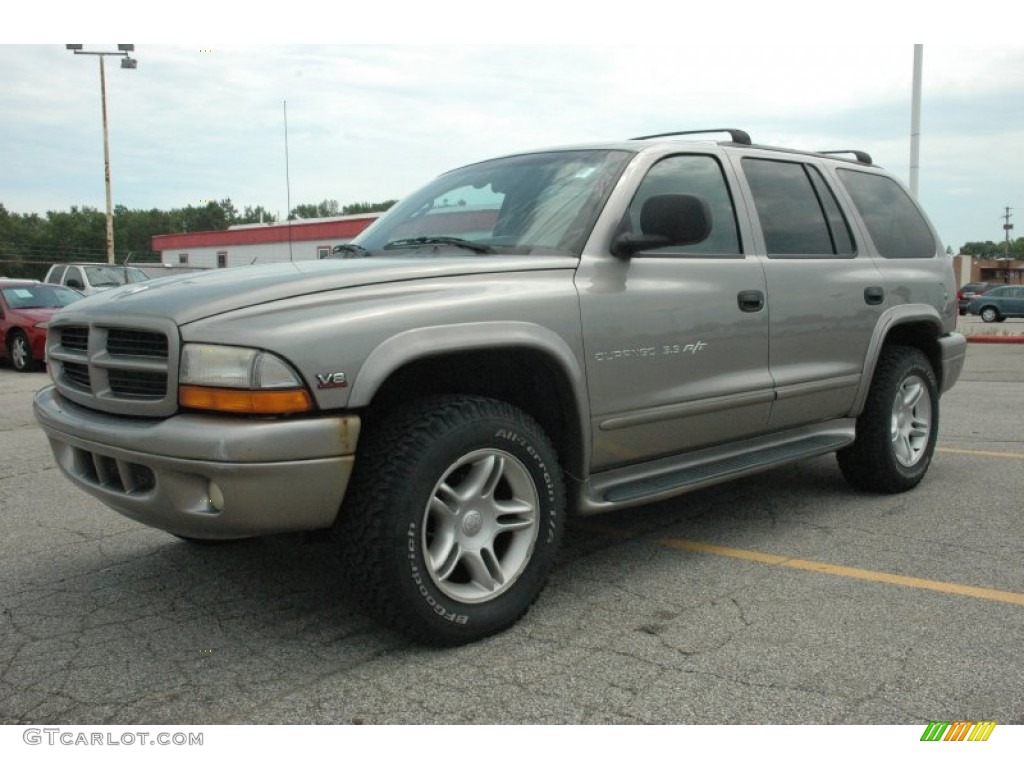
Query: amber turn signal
{"type": "Point", "coordinates": [265, 402]}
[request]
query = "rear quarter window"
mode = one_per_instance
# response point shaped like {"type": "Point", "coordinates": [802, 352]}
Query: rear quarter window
{"type": "Point", "coordinates": [894, 223]}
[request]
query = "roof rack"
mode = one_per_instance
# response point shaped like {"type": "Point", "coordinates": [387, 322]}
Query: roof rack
{"type": "Point", "coordinates": [735, 134]}
{"type": "Point", "coordinates": [861, 157]}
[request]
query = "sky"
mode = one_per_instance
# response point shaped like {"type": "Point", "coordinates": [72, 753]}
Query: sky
{"type": "Point", "coordinates": [346, 105]}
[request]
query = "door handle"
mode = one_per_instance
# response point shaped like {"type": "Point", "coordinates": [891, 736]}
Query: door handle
{"type": "Point", "coordinates": [750, 301]}
{"type": "Point", "coordinates": [874, 294]}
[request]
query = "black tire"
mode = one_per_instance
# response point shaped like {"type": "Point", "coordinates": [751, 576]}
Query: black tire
{"type": "Point", "coordinates": [453, 518]}
{"type": "Point", "coordinates": [989, 314]}
{"type": "Point", "coordinates": [897, 430]}
{"type": "Point", "coordinates": [20, 352]}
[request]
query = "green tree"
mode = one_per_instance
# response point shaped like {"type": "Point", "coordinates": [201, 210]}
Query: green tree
{"type": "Point", "coordinates": [256, 215]}
{"type": "Point", "coordinates": [993, 250]}
{"type": "Point", "coordinates": [356, 208]}
{"type": "Point", "coordinates": [320, 210]}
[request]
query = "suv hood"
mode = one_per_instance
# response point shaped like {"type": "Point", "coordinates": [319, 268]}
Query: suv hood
{"type": "Point", "coordinates": [191, 297]}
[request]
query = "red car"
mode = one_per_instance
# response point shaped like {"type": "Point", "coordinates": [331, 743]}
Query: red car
{"type": "Point", "coordinates": [26, 306]}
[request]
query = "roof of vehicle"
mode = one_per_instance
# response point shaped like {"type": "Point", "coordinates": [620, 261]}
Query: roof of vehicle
{"type": "Point", "coordinates": [737, 138]}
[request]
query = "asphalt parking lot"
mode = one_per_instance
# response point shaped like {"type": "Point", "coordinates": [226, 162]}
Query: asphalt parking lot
{"type": "Point", "coordinates": [785, 598]}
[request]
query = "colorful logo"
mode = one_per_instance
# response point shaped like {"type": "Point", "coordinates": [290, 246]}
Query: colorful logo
{"type": "Point", "coordinates": [960, 730]}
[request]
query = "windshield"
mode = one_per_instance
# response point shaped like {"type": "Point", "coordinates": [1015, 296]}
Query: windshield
{"type": "Point", "coordinates": [39, 296]}
{"type": "Point", "coordinates": [113, 275]}
{"type": "Point", "coordinates": [542, 203]}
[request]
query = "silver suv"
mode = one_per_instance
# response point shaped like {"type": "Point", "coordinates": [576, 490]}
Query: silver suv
{"type": "Point", "coordinates": [559, 332]}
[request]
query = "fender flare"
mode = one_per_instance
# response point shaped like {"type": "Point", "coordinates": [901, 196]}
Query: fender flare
{"type": "Point", "coordinates": [429, 341]}
{"type": "Point", "coordinates": [892, 318]}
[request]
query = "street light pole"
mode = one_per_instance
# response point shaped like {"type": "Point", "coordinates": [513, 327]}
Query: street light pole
{"type": "Point", "coordinates": [127, 62]}
{"type": "Point", "coordinates": [915, 120]}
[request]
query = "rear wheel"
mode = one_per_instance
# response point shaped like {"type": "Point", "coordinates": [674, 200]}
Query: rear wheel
{"type": "Point", "coordinates": [453, 519]}
{"type": "Point", "coordinates": [896, 431]}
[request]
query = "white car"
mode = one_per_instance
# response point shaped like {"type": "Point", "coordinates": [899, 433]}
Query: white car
{"type": "Point", "coordinates": [92, 278]}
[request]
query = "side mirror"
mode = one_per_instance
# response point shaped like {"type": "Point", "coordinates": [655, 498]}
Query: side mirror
{"type": "Point", "coordinates": [76, 284]}
{"type": "Point", "coordinates": [667, 220]}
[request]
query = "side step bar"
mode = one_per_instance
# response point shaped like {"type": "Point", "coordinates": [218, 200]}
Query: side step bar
{"type": "Point", "coordinates": [671, 476]}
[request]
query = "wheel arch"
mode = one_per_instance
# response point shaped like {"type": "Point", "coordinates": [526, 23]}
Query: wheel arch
{"type": "Point", "coordinates": [917, 327]}
{"type": "Point", "coordinates": [523, 364]}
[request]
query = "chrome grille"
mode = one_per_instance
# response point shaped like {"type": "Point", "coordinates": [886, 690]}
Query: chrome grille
{"type": "Point", "coordinates": [75, 337]}
{"type": "Point", "coordinates": [137, 383]}
{"type": "Point", "coordinates": [76, 374]}
{"type": "Point", "coordinates": [136, 343]}
{"type": "Point", "coordinates": [116, 366]}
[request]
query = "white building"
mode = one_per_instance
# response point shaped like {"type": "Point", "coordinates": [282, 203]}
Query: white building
{"type": "Point", "coordinates": [299, 240]}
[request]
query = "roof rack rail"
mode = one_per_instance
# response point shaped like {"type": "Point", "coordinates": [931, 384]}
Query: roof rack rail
{"type": "Point", "coordinates": [735, 134]}
{"type": "Point", "coordinates": [861, 157]}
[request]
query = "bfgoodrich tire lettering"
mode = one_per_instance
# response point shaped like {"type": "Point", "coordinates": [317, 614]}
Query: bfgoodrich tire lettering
{"type": "Point", "coordinates": [896, 432]}
{"type": "Point", "coordinates": [453, 519]}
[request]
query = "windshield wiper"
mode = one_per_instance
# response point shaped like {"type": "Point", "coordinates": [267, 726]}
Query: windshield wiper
{"type": "Point", "coordinates": [413, 242]}
{"type": "Point", "coordinates": [348, 250]}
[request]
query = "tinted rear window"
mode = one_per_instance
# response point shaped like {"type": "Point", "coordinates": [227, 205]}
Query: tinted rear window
{"type": "Point", "coordinates": [896, 226]}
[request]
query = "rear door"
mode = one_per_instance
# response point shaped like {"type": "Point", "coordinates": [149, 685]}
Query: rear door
{"type": "Point", "coordinates": [825, 294]}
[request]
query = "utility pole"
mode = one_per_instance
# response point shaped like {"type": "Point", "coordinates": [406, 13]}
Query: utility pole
{"type": "Point", "coordinates": [1007, 227]}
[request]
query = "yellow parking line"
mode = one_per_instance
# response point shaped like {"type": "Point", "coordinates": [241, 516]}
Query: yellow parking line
{"type": "Point", "coordinates": [880, 577]}
{"type": "Point", "coordinates": [992, 454]}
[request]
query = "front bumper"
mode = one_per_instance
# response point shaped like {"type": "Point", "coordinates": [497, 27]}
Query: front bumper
{"type": "Point", "coordinates": [202, 476]}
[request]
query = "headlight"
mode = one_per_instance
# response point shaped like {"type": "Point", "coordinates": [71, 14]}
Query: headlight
{"type": "Point", "coordinates": [239, 380]}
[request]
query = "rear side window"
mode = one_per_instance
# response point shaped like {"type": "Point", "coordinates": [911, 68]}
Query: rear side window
{"type": "Point", "coordinates": [799, 214]}
{"type": "Point", "coordinates": [896, 226]}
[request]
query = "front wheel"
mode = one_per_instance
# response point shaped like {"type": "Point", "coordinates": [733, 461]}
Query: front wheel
{"type": "Point", "coordinates": [989, 314]}
{"type": "Point", "coordinates": [896, 432]}
{"type": "Point", "coordinates": [453, 518]}
{"type": "Point", "coordinates": [20, 352]}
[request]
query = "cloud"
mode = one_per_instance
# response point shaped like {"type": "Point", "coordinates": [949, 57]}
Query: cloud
{"type": "Point", "coordinates": [371, 122]}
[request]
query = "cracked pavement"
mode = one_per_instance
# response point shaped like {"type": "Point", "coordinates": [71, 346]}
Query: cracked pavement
{"type": "Point", "coordinates": [105, 621]}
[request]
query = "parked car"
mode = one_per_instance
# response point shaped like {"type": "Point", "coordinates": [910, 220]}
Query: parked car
{"type": "Point", "coordinates": [997, 304]}
{"type": "Point", "coordinates": [968, 293]}
{"type": "Point", "coordinates": [568, 331]}
{"type": "Point", "coordinates": [92, 278]}
{"type": "Point", "coordinates": [26, 307]}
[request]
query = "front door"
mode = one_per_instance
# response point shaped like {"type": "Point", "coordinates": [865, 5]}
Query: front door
{"type": "Point", "coordinates": [676, 338]}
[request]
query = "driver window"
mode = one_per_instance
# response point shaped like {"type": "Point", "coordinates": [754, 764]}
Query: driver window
{"type": "Point", "coordinates": [698, 175]}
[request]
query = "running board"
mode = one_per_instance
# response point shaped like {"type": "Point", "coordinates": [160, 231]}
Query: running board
{"type": "Point", "coordinates": [664, 478]}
